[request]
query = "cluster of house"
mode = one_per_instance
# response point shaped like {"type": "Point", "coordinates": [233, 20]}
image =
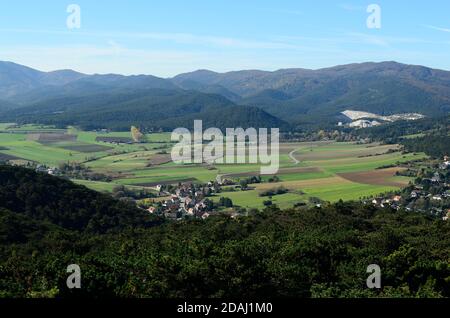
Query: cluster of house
{"type": "Point", "coordinates": [436, 195]}
{"type": "Point", "coordinates": [393, 202]}
{"type": "Point", "coordinates": [189, 200]}
{"type": "Point", "coordinates": [45, 169]}
{"type": "Point", "coordinates": [445, 164]}
{"type": "Point", "coordinates": [408, 203]}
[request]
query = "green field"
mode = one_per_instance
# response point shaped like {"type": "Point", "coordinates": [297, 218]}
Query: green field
{"type": "Point", "coordinates": [313, 169]}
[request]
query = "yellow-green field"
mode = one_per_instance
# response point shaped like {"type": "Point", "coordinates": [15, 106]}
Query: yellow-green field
{"type": "Point", "coordinates": [326, 170]}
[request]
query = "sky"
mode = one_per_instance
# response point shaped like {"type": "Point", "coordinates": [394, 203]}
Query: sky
{"type": "Point", "coordinates": [165, 38]}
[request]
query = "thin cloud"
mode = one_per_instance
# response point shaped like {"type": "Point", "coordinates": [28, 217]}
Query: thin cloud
{"type": "Point", "coordinates": [351, 7]}
{"type": "Point", "coordinates": [111, 57]}
{"type": "Point", "coordinates": [357, 38]}
{"type": "Point", "coordinates": [180, 38]}
{"type": "Point", "coordinates": [101, 59]}
{"type": "Point", "coordinates": [437, 28]}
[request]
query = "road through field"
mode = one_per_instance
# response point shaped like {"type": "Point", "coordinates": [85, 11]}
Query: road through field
{"type": "Point", "coordinates": [291, 155]}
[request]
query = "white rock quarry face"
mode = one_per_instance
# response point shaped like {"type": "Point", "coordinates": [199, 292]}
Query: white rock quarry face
{"type": "Point", "coordinates": [358, 116]}
{"type": "Point", "coordinates": [360, 124]}
{"type": "Point", "coordinates": [355, 115]}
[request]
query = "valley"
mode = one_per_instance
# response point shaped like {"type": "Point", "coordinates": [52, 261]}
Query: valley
{"type": "Point", "coordinates": [211, 157]}
{"type": "Point", "coordinates": [323, 170]}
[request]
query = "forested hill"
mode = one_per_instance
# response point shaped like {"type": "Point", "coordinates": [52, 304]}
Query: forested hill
{"type": "Point", "coordinates": [429, 135]}
{"type": "Point", "coordinates": [47, 224]}
{"type": "Point", "coordinates": [42, 198]}
{"type": "Point", "coordinates": [150, 109]}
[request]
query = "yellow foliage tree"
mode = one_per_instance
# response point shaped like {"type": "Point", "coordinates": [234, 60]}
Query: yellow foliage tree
{"type": "Point", "coordinates": [136, 134]}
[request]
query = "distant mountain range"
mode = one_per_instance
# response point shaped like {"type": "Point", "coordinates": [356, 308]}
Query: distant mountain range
{"type": "Point", "coordinates": [247, 98]}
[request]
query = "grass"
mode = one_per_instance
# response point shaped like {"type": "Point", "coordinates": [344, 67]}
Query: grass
{"type": "Point", "coordinates": [129, 164]}
{"type": "Point", "coordinates": [328, 189]}
{"type": "Point", "coordinates": [96, 185]}
{"type": "Point", "coordinates": [251, 199]}
{"type": "Point", "coordinates": [85, 148]}
{"type": "Point", "coordinates": [162, 173]}
{"type": "Point", "coordinates": [364, 164]}
{"type": "Point", "coordinates": [102, 186]}
{"type": "Point", "coordinates": [30, 128]}
{"type": "Point", "coordinates": [346, 191]}
{"type": "Point", "coordinates": [5, 126]}
{"type": "Point", "coordinates": [80, 146]}
{"type": "Point", "coordinates": [305, 176]}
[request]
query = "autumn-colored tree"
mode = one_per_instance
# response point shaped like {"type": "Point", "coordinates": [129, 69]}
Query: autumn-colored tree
{"type": "Point", "coordinates": [136, 134]}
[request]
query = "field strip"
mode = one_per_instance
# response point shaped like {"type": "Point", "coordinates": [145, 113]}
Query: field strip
{"type": "Point", "coordinates": [167, 182]}
{"type": "Point", "coordinates": [281, 172]}
{"type": "Point", "coordinates": [375, 177]}
{"type": "Point", "coordinates": [342, 155]}
{"type": "Point", "coordinates": [295, 185]}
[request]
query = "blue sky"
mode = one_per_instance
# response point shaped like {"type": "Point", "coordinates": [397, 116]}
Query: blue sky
{"type": "Point", "coordinates": [168, 37]}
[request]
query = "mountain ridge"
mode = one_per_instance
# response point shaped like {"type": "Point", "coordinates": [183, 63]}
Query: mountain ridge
{"type": "Point", "coordinates": [294, 95]}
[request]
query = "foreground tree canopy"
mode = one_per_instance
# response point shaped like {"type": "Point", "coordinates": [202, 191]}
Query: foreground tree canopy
{"type": "Point", "coordinates": [47, 224]}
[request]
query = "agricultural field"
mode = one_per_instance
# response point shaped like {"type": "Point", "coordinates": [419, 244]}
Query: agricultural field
{"type": "Point", "coordinates": [325, 170]}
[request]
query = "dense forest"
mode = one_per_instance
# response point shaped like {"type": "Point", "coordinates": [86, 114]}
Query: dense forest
{"type": "Point", "coordinates": [150, 109]}
{"type": "Point", "coordinates": [436, 146]}
{"type": "Point", "coordinates": [47, 223]}
{"type": "Point", "coordinates": [394, 132]}
{"type": "Point", "coordinates": [41, 197]}
{"type": "Point", "coordinates": [428, 135]}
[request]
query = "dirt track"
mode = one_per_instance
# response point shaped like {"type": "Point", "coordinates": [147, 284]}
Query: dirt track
{"type": "Point", "coordinates": [291, 155]}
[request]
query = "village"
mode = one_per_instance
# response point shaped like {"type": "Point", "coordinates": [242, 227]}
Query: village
{"type": "Point", "coordinates": [429, 193]}
{"type": "Point", "coordinates": [191, 200]}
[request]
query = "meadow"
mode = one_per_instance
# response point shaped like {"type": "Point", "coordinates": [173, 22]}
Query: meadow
{"type": "Point", "coordinates": [325, 170]}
